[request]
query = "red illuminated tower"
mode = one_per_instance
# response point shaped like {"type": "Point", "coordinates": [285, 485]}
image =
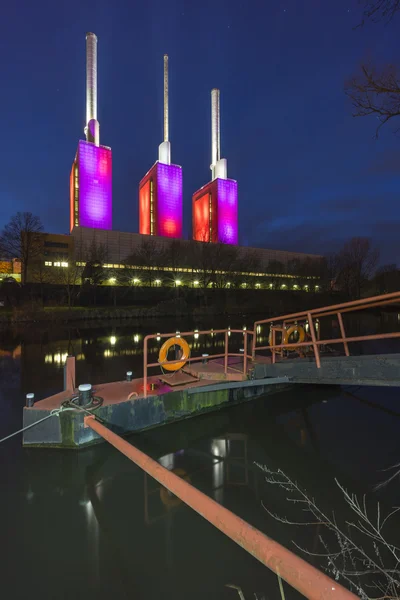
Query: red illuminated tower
{"type": "Point", "coordinates": [214, 209]}
{"type": "Point", "coordinates": [160, 190]}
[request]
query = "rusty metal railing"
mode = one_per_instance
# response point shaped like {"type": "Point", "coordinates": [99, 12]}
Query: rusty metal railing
{"type": "Point", "coordinates": [299, 574]}
{"type": "Point", "coordinates": [279, 324]}
{"type": "Point", "coordinates": [225, 355]}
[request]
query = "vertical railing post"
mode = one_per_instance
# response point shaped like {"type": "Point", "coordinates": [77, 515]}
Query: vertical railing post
{"type": "Point", "coordinates": [226, 352]}
{"type": "Point", "coordinates": [314, 341]}
{"type": "Point", "coordinates": [273, 345]}
{"type": "Point", "coordinates": [343, 334]}
{"type": "Point", "coordinates": [253, 348]}
{"type": "Point", "coordinates": [245, 353]}
{"type": "Point", "coordinates": [145, 367]}
{"type": "Point", "coordinates": [69, 374]}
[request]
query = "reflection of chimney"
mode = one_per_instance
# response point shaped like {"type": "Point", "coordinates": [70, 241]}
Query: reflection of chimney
{"type": "Point", "coordinates": [164, 149]}
{"type": "Point", "coordinates": [218, 164]}
{"type": "Point", "coordinates": [92, 129]}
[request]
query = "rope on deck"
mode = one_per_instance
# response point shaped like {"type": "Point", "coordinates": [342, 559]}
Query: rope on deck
{"type": "Point", "coordinates": [53, 413]}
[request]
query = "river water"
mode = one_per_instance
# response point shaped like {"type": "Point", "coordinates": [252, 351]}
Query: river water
{"type": "Point", "coordinates": [91, 525]}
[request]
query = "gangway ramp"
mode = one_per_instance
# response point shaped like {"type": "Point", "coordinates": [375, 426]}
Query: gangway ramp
{"type": "Point", "coordinates": [374, 370]}
{"type": "Point", "coordinates": [300, 347]}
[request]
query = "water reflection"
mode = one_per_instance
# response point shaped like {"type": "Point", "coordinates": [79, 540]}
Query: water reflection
{"type": "Point", "coordinates": [103, 528]}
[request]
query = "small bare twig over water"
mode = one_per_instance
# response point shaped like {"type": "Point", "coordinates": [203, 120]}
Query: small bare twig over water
{"type": "Point", "coordinates": [358, 552]}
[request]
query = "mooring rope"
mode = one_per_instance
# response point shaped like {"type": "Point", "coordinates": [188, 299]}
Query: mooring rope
{"type": "Point", "coordinates": [53, 413]}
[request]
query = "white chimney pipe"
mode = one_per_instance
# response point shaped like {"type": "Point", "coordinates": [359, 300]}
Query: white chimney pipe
{"type": "Point", "coordinates": [164, 149]}
{"type": "Point", "coordinates": [218, 165]}
{"type": "Point", "coordinates": [166, 124]}
{"type": "Point", "coordinates": [215, 127]}
{"type": "Point", "coordinates": [92, 125]}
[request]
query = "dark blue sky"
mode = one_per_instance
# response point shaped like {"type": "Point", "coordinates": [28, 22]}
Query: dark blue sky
{"type": "Point", "coordinates": [310, 175]}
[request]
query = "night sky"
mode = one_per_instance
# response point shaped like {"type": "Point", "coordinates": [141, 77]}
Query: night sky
{"type": "Point", "coordinates": [310, 175]}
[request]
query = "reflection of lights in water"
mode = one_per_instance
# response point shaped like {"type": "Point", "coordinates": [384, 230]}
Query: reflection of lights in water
{"type": "Point", "coordinates": [306, 327]}
{"type": "Point", "coordinates": [158, 337]}
{"type": "Point", "coordinates": [113, 340]}
{"type": "Point", "coordinates": [136, 338]}
{"type": "Point", "coordinates": [218, 448]}
{"type": "Point", "coordinates": [258, 328]}
{"type": "Point", "coordinates": [229, 330]}
{"type": "Point", "coordinates": [107, 353]}
{"type": "Point", "coordinates": [167, 461]}
{"type": "Point", "coordinates": [57, 358]}
{"type": "Point", "coordinates": [178, 334]}
{"type": "Point", "coordinates": [92, 529]}
{"type": "Point", "coordinates": [196, 334]}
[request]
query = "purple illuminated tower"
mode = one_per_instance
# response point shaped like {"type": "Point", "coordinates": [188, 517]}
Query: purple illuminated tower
{"type": "Point", "coordinates": [215, 205]}
{"type": "Point", "coordinates": [160, 190]}
{"type": "Point", "coordinates": [91, 174]}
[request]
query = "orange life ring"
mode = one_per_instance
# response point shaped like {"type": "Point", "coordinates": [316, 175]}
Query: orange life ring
{"type": "Point", "coordinates": [162, 357]}
{"type": "Point", "coordinates": [166, 497]}
{"type": "Point", "coordinates": [293, 329]}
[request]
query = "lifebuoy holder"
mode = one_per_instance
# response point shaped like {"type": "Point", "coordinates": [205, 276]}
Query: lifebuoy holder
{"type": "Point", "coordinates": [286, 333]}
{"type": "Point", "coordinates": [163, 355]}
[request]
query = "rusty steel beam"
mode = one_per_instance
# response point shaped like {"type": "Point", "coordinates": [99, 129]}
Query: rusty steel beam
{"type": "Point", "coordinates": [302, 576]}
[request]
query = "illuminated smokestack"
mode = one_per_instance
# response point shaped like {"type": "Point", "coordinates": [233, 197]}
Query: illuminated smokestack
{"type": "Point", "coordinates": [218, 165]}
{"type": "Point", "coordinates": [92, 129]}
{"type": "Point", "coordinates": [215, 127]}
{"type": "Point", "coordinates": [164, 149]}
{"type": "Point", "coordinates": [166, 132]}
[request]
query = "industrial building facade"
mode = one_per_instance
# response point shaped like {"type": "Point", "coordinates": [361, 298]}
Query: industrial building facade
{"type": "Point", "coordinates": [122, 255]}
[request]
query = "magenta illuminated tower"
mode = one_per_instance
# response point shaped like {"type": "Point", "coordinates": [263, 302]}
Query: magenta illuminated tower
{"type": "Point", "coordinates": [91, 174]}
{"type": "Point", "coordinates": [215, 205]}
{"type": "Point", "coordinates": [160, 190]}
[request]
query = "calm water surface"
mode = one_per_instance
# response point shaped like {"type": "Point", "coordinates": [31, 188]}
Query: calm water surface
{"type": "Point", "coordinates": [91, 525]}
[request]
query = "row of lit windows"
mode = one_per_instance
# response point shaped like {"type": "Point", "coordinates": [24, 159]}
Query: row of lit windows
{"type": "Point", "coordinates": [76, 196]}
{"type": "Point", "coordinates": [189, 270]}
{"type": "Point", "coordinates": [49, 263]}
{"type": "Point", "coordinates": [196, 283]}
{"type": "Point", "coordinates": [151, 208]}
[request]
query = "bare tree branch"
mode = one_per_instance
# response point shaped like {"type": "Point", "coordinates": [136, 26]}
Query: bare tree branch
{"type": "Point", "coordinates": [379, 10]}
{"type": "Point", "coordinates": [375, 93]}
{"type": "Point", "coordinates": [373, 568]}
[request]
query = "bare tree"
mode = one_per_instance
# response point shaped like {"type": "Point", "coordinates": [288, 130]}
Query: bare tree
{"type": "Point", "coordinates": [356, 263]}
{"type": "Point", "coordinates": [387, 279]}
{"type": "Point", "coordinates": [42, 275]}
{"type": "Point", "coordinates": [21, 239]}
{"type": "Point", "coordinates": [144, 264]}
{"type": "Point", "coordinates": [95, 255]}
{"type": "Point", "coordinates": [379, 10]}
{"type": "Point", "coordinates": [275, 270]}
{"type": "Point", "coordinates": [70, 278]}
{"type": "Point", "coordinates": [375, 93]}
{"type": "Point", "coordinates": [360, 552]}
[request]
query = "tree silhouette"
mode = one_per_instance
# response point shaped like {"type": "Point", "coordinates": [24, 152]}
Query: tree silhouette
{"type": "Point", "coordinates": [21, 239]}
